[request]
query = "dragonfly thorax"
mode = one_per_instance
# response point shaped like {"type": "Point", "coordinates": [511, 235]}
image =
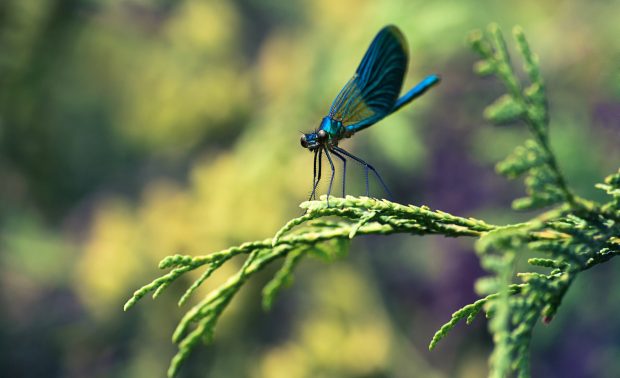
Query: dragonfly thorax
{"type": "Point", "coordinates": [333, 128]}
{"type": "Point", "coordinates": [329, 133]}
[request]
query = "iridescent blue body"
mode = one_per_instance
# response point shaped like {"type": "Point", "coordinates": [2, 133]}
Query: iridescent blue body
{"type": "Point", "coordinates": [369, 96]}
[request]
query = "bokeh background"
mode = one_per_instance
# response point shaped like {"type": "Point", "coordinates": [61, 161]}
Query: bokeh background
{"type": "Point", "coordinates": [135, 129]}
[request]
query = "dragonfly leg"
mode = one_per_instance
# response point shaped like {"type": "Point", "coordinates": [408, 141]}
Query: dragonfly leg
{"type": "Point", "coordinates": [367, 167]}
{"type": "Point", "coordinates": [344, 171]}
{"type": "Point", "coordinates": [331, 179]}
{"type": "Point", "coordinates": [313, 176]}
{"type": "Point", "coordinates": [318, 156]}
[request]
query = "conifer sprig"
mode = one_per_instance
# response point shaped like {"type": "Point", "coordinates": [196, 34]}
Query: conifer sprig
{"type": "Point", "coordinates": [309, 234]}
{"type": "Point", "coordinates": [525, 102]}
{"type": "Point", "coordinates": [572, 237]}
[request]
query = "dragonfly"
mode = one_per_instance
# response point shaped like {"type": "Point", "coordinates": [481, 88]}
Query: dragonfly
{"type": "Point", "coordinates": [368, 97]}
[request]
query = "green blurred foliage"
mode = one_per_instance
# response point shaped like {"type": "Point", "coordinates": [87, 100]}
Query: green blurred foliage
{"type": "Point", "coordinates": [131, 130]}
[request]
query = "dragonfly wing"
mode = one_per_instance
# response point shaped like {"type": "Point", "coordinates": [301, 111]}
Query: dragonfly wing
{"type": "Point", "coordinates": [372, 92]}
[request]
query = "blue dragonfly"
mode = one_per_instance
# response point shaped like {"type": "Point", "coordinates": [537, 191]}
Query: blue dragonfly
{"type": "Point", "coordinates": [369, 96]}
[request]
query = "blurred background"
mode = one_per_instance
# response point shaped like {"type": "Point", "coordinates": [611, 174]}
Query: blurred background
{"type": "Point", "coordinates": [135, 129]}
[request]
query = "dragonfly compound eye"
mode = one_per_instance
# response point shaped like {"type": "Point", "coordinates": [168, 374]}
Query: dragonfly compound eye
{"type": "Point", "coordinates": [303, 141]}
{"type": "Point", "coordinates": [322, 135]}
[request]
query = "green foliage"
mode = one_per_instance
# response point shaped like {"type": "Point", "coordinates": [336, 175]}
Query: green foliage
{"type": "Point", "coordinates": [526, 102]}
{"type": "Point", "coordinates": [324, 238]}
{"type": "Point", "coordinates": [571, 237]}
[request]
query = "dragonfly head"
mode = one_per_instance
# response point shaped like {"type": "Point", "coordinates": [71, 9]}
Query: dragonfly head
{"type": "Point", "coordinates": [314, 140]}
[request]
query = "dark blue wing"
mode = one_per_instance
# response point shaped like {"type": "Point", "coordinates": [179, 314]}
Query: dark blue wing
{"type": "Point", "coordinates": [372, 92]}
